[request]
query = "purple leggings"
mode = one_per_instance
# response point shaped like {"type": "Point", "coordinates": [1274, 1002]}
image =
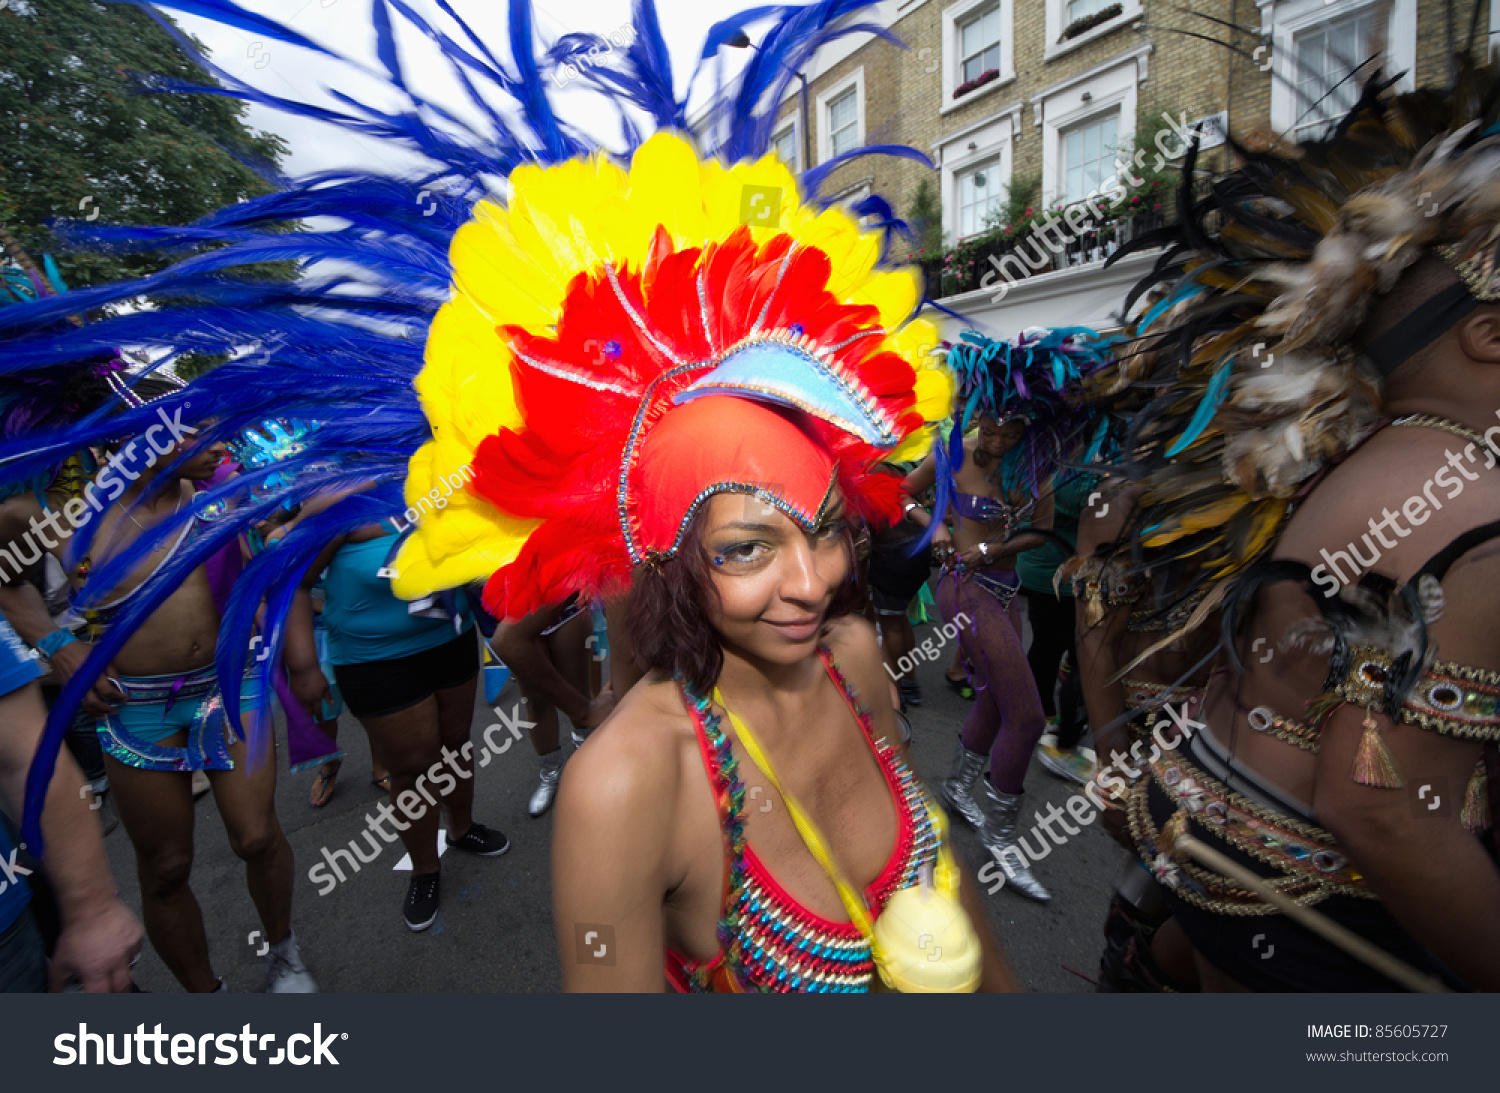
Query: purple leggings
{"type": "Point", "coordinates": [1007, 718]}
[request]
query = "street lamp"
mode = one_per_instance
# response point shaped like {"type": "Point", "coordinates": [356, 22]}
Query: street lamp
{"type": "Point", "coordinates": [741, 40]}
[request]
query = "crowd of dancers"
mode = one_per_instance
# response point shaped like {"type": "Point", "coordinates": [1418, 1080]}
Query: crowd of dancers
{"type": "Point", "coordinates": [1256, 573]}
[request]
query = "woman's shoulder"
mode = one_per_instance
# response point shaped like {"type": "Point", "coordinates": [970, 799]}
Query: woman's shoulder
{"type": "Point", "coordinates": [635, 757]}
{"type": "Point", "coordinates": [856, 653]}
{"type": "Point", "coordinates": [852, 635]}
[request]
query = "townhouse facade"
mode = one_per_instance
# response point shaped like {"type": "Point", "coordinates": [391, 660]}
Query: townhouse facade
{"type": "Point", "coordinates": [1081, 108]}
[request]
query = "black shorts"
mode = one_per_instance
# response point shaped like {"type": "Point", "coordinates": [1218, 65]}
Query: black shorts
{"type": "Point", "coordinates": [896, 574]}
{"type": "Point", "coordinates": [380, 687]}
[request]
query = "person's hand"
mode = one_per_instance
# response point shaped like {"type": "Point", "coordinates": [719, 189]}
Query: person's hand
{"type": "Point", "coordinates": [1113, 818]}
{"type": "Point", "coordinates": [67, 660]}
{"type": "Point", "coordinates": [310, 686]}
{"type": "Point", "coordinates": [1117, 826]}
{"type": "Point", "coordinates": [974, 558]}
{"type": "Point", "coordinates": [97, 949]}
{"type": "Point", "coordinates": [600, 707]}
{"type": "Point", "coordinates": [103, 698]}
{"type": "Point", "coordinates": [942, 543]}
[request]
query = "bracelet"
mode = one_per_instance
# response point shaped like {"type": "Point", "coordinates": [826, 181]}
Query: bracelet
{"type": "Point", "coordinates": [984, 550]}
{"type": "Point", "coordinates": [909, 506]}
{"type": "Point", "coordinates": [51, 643]}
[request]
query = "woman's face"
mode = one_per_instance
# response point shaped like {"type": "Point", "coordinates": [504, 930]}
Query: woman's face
{"type": "Point", "coordinates": [775, 580]}
{"type": "Point", "coordinates": [996, 439]}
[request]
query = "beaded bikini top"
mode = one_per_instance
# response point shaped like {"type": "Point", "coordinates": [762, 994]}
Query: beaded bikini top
{"type": "Point", "coordinates": [767, 941]}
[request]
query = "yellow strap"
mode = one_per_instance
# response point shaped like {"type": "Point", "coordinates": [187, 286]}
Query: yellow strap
{"type": "Point", "coordinates": [854, 903]}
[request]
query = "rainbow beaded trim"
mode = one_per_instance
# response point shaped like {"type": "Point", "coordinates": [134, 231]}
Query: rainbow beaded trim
{"type": "Point", "coordinates": [769, 943]}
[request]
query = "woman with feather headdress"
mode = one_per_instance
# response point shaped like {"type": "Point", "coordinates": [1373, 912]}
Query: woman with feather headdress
{"type": "Point", "coordinates": [646, 390]}
{"type": "Point", "coordinates": [1329, 334]}
{"type": "Point", "coordinates": [1025, 397]}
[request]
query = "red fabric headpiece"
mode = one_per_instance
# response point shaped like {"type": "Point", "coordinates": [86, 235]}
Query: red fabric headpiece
{"type": "Point", "coordinates": [723, 444]}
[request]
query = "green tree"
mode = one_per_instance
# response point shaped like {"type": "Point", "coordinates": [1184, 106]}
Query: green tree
{"type": "Point", "coordinates": [926, 220]}
{"type": "Point", "coordinates": [79, 139]}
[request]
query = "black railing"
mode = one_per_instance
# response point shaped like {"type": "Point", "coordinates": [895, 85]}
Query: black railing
{"type": "Point", "coordinates": [1032, 252]}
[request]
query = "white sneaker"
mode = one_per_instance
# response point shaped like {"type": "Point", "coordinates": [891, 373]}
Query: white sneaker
{"type": "Point", "coordinates": [285, 972]}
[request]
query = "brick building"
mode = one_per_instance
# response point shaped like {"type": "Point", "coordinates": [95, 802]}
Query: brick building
{"type": "Point", "coordinates": [1036, 100]}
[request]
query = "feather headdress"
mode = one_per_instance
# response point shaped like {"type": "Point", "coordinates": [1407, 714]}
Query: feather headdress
{"type": "Point", "coordinates": [1039, 376]}
{"type": "Point", "coordinates": [1247, 342]}
{"type": "Point", "coordinates": [536, 338]}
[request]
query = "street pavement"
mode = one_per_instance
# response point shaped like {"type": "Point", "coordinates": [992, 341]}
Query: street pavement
{"type": "Point", "coordinates": [494, 932]}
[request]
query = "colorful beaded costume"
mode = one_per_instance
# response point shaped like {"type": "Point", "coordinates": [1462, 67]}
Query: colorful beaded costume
{"type": "Point", "coordinates": [767, 941]}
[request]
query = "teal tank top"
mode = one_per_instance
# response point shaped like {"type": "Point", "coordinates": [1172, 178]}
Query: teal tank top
{"type": "Point", "coordinates": [366, 621]}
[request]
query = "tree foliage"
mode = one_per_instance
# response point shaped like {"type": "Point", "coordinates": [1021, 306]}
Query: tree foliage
{"type": "Point", "coordinates": [78, 138]}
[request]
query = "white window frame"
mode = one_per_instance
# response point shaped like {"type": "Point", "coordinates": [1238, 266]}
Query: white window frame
{"type": "Point", "coordinates": [952, 17]}
{"type": "Point", "coordinates": [825, 99]}
{"type": "Point", "coordinates": [961, 56]}
{"type": "Point", "coordinates": [1057, 22]}
{"type": "Point", "coordinates": [992, 167]}
{"type": "Point", "coordinates": [1113, 85]}
{"type": "Point", "coordinates": [792, 126]}
{"type": "Point", "coordinates": [1283, 20]}
{"type": "Point", "coordinates": [993, 138]}
{"type": "Point", "coordinates": [1109, 156]}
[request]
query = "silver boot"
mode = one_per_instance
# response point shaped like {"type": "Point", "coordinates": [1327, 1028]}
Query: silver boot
{"type": "Point", "coordinates": [999, 837]}
{"type": "Point", "coordinates": [541, 800]}
{"type": "Point", "coordinates": [958, 789]}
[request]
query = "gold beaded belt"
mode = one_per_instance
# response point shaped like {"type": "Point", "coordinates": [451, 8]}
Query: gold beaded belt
{"type": "Point", "coordinates": [1312, 866]}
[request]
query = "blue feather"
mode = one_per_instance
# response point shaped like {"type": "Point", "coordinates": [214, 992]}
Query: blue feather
{"type": "Point", "coordinates": [339, 347]}
{"type": "Point", "coordinates": [231, 14]}
{"type": "Point", "coordinates": [1208, 405]}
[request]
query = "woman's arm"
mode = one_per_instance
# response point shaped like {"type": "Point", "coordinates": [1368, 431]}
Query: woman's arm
{"type": "Point", "coordinates": [611, 854]}
{"type": "Point", "coordinates": [518, 642]}
{"type": "Point", "coordinates": [300, 650]}
{"type": "Point", "coordinates": [922, 478]}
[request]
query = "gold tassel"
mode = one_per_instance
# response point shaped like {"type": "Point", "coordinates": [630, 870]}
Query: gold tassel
{"type": "Point", "coordinates": [1374, 765]}
{"type": "Point", "coordinates": [1476, 813]}
{"type": "Point", "coordinates": [1094, 604]}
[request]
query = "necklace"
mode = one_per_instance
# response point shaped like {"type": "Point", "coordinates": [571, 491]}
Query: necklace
{"type": "Point", "coordinates": [131, 516]}
{"type": "Point", "coordinates": [1433, 421]}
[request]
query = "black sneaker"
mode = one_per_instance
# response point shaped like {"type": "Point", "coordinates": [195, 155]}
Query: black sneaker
{"type": "Point", "coordinates": [911, 692]}
{"type": "Point", "coordinates": [481, 840]}
{"type": "Point", "coordinates": [421, 908]}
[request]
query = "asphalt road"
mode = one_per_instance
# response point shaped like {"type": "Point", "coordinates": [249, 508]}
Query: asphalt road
{"type": "Point", "coordinates": [494, 932]}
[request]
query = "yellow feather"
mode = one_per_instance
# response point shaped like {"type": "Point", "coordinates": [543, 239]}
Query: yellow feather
{"type": "Point", "coordinates": [512, 267]}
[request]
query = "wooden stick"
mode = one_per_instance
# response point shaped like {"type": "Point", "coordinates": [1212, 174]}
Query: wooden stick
{"type": "Point", "coordinates": [1320, 924]}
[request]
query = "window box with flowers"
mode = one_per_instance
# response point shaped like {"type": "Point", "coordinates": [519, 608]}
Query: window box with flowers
{"type": "Point", "coordinates": [987, 76]}
{"type": "Point", "coordinates": [1089, 22]}
{"type": "Point", "coordinates": [962, 268]}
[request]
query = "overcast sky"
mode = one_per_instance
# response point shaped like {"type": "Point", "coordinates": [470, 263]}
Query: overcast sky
{"type": "Point", "coordinates": [345, 26]}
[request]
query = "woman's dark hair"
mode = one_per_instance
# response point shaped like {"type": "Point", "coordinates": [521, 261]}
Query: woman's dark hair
{"type": "Point", "coordinates": [671, 605]}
